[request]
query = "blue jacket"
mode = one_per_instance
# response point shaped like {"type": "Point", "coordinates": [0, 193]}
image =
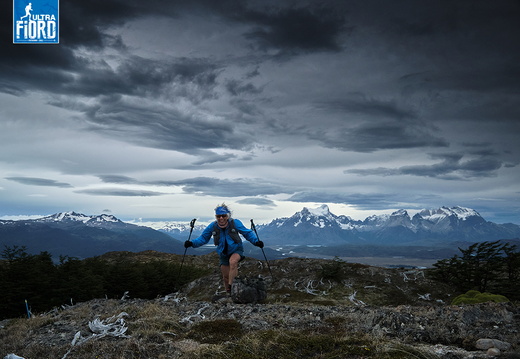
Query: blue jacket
{"type": "Point", "coordinates": [225, 238]}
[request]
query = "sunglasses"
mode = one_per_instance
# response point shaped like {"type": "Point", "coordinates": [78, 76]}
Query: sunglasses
{"type": "Point", "coordinates": [221, 215]}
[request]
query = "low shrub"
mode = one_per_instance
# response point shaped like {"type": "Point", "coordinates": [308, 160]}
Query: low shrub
{"type": "Point", "coordinates": [474, 297]}
{"type": "Point", "coordinates": [333, 270]}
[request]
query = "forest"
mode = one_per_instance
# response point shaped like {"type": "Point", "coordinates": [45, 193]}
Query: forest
{"type": "Point", "coordinates": [45, 284]}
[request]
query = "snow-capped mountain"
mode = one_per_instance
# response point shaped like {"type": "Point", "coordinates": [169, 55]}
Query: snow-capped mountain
{"type": "Point", "coordinates": [447, 219]}
{"type": "Point", "coordinates": [320, 226]}
{"type": "Point", "coordinates": [78, 235]}
{"type": "Point", "coordinates": [306, 226]}
{"type": "Point", "coordinates": [175, 229]}
{"type": "Point", "coordinates": [79, 217]}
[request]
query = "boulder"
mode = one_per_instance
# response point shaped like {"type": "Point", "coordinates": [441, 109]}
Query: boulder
{"type": "Point", "coordinates": [485, 344]}
{"type": "Point", "coordinates": [248, 290]}
{"type": "Point", "coordinates": [493, 352]}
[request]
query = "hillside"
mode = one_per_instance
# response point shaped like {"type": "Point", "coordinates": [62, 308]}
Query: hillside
{"type": "Point", "coordinates": [314, 308]}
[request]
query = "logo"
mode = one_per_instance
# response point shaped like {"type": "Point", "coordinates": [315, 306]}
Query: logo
{"type": "Point", "coordinates": [36, 21]}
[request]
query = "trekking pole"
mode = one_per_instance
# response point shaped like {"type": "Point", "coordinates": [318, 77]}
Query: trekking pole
{"type": "Point", "coordinates": [27, 308]}
{"type": "Point", "coordinates": [192, 224]}
{"type": "Point", "coordinates": [254, 229]}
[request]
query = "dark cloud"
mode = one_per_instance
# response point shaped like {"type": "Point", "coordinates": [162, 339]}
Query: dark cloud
{"type": "Point", "coordinates": [141, 123]}
{"type": "Point", "coordinates": [370, 125]}
{"type": "Point", "coordinates": [117, 179]}
{"type": "Point", "coordinates": [378, 135]}
{"type": "Point", "coordinates": [391, 135]}
{"type": "Point", "coordinates": [371, 201]}
{"type": "Point", "coordinates": [249, 110]}
{"type": "Point", "coordinates": [82, 23]}
{"type": "Point", "coordinates": [34, 181]}
{"type": "Point", "coordinates": [296, 29]}
{"type": "Point", "coordinates": [114, 112]}
{"type": "Point", "coordinates": [253, 73]}
{"type": "Point", "coordinates": [230, 187]}
{"type": "Point", "coordinates": [449, 29]}
{"type": "Point", "coordinates": [212, 157]}
{"type": "Point", "coordinates": [139, 76]}
{"type": "Point", "coordinates": [118, 192]}
{"type": "Point", "coordinates": [206, 186]}
{"type": "Point", "coordinates": [193, 79]}
{"type": "Point", "coordinates": [236, 88]}
{"type": "Point", "coordinates": [394, 76]}
{"type": "Point", "coordinates": [368, 201]}
{"type": "Point", "coordinates": [489, 93]}
{"type": "Point", "coordinates": [35, 67]}
{"type": "Point", "coordinates": [451, 167]}
{"type": "Point", "coordinates": [479, 79]}
{"type": "Point", "coordinates": [260, 202]}
{"type": "Point", "coordinates": [360, 105]}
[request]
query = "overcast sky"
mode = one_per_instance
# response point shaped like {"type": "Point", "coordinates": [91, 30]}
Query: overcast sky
{"type": "Point", "coordinates": [163, 109]}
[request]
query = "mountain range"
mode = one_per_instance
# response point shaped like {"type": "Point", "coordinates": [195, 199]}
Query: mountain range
{"type": "Point", "coordinates": [318, 226]}
{"type": "Point", "coordinates": [79, 235]}
{"type": "Point", "coordinates": [427, 227]}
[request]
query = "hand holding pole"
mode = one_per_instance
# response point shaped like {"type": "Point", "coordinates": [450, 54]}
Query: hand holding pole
{"type": "Point", "coordinates": [262, 248]}
{"type": "Point", "coordinates": [192, 224]}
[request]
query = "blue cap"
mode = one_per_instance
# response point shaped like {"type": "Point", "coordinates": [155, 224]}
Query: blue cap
{"type": "Point", "coordinates": [221, 210]}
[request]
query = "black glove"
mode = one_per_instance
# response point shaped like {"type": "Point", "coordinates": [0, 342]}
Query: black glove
{"type": "Point", "coordinates": [188, 244]}
{"type": "Point", "coordinates": [259, 244]}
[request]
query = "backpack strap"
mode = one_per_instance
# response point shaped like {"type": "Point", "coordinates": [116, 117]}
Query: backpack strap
{"type": "Point", "coordinates": [216, 233]}
{"type": "Point", "coordinates": [233, 233]}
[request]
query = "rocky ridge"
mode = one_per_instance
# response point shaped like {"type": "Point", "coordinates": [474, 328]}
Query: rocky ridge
{"type": "Point", "coordinates": [376, 311]}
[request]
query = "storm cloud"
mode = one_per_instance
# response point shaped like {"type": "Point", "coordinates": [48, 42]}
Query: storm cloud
{"type": "Point", "coordinates": [167, 108]}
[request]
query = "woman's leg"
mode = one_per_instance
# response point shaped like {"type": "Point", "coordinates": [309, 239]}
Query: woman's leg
{"type": "Point", "coordinates": [229, 272]}
{"type": "Point", "coordinates": [233, 267]}
{"type": "Point", "coordinates": [225, 276]}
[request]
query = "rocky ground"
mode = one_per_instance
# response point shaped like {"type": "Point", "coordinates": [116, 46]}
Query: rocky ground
{"type": "Point", "coordinates": [314, 308]}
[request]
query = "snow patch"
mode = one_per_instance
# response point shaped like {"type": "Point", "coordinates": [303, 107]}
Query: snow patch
{"type": "Point", "coordinates": [321, 211]}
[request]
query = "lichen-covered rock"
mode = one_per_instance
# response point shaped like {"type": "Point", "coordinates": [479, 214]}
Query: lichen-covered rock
{"type": "Point", "coordinates": [493, 352]}
{"type": "Point", "coordinates": [485, 344]}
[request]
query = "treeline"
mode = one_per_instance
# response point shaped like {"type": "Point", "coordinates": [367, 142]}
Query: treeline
{"type": "Point", "coordinates": [492, 267]}
{"type": "Point", "coordinates": [46, 284]}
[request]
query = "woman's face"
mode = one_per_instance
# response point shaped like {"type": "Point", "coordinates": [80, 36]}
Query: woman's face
{"type": "Point", "coordinates": [222, 220]}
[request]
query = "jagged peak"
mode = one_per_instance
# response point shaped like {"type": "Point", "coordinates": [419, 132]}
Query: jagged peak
{"type": "Point", "coordinates": [400, 213]}
{"type": "Point", "coordinates": [66, 216]}
{"type": "Point", "coordinates": [104, 218]}
{"type": "Point", "coordinates": [321, 211]}
{"type": "Point", "coordinates": [377, 218]}
{"type": "Point", "coordinates": [462, 212]}
{"type": "Point", "coordinates": [459, 212]}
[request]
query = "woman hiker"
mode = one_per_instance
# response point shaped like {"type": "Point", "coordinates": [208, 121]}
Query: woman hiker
{"type": "Point", "coordinates": [225, 232]}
